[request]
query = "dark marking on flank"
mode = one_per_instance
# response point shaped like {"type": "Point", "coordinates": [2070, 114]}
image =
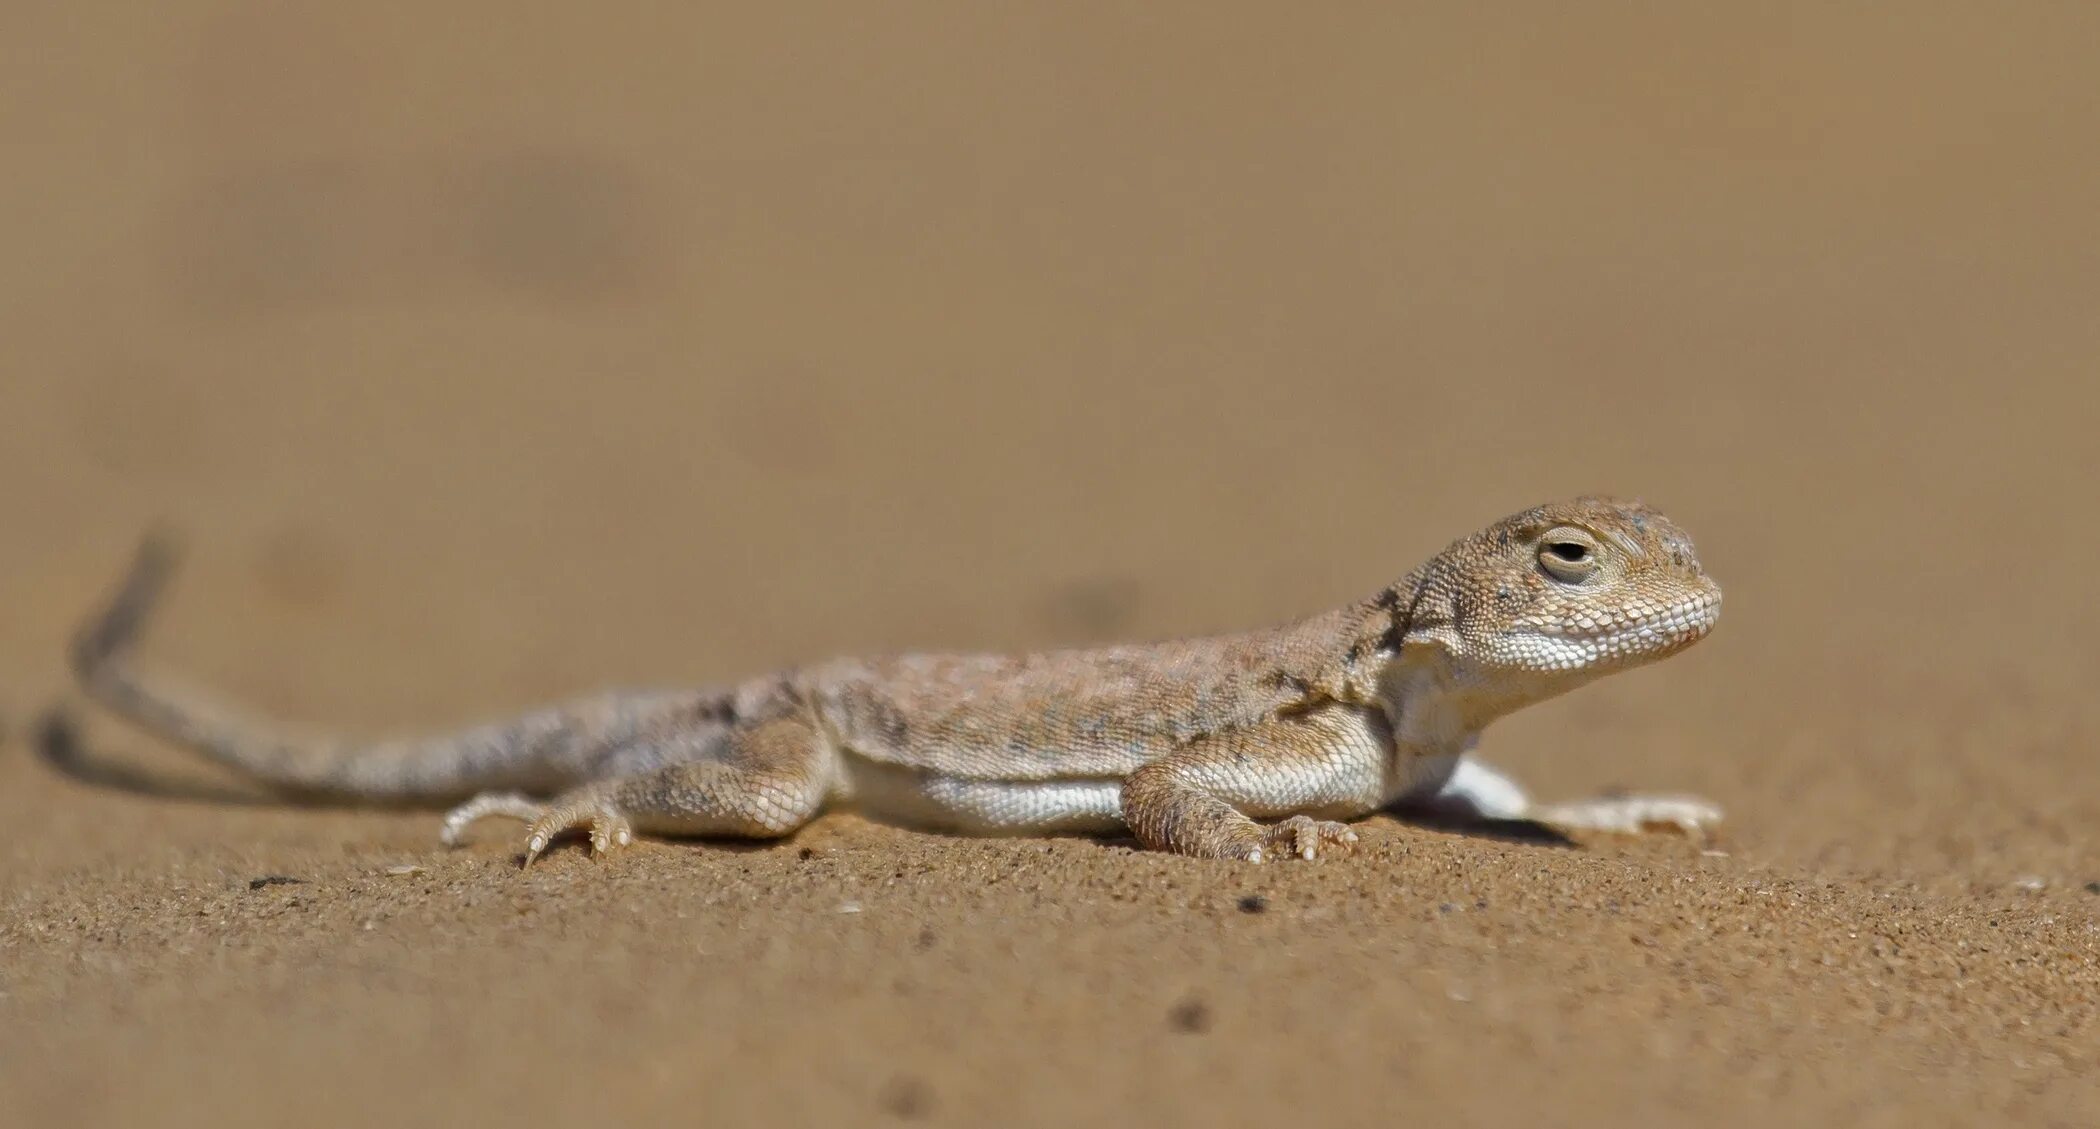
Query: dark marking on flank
{"type": "Point", "coordinates": [720, 709]}
{"type": "Point", "coordinates": [1394, 636]}
{"type": "Point", "coordinates": [1295, 684]}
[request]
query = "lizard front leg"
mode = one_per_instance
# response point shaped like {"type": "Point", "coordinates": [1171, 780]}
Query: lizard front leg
{"type": "Point", "coordinates": [771, 779]}
{"type": "Point", "coordinates": [1477, 791]}
{"type": "Point", "coordinates": [1198, 800]}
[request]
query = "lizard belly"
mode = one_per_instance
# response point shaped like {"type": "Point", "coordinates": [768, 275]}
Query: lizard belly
{"type": "Point", "coordinates": [901, 794]}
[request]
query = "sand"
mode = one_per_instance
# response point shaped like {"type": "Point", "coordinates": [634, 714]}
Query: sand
{"type": "Point", "coordinates": [483, 355]}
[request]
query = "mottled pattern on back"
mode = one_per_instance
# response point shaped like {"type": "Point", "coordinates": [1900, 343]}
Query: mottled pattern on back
{"type": "Point", "coordinates": [1077, 713]}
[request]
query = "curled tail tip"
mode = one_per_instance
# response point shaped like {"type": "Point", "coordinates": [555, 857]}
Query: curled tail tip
{"type": "Point", "coordinates": [111, 632]}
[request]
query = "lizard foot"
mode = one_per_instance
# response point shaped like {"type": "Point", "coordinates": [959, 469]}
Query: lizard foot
{"type": "Point", "coordinates": [609, 829]}
{"type": "Point", "coordinates": [1302, 836]}
{"type": "Point", "coordinates": [509, 805]}
{"type": "Point", "coordinates": [1632, 815]}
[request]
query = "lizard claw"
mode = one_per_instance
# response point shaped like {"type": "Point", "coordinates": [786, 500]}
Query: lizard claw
{"type": "Point", "coordinates": [1302, 836]}
{"type": "Point", "coordinates": [609, 829]}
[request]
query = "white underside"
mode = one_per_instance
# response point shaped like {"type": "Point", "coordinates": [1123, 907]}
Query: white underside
{"type": "Point", "coordinates": [898, 794]}
{"type": "Point", "coordinates": [1454, 785]}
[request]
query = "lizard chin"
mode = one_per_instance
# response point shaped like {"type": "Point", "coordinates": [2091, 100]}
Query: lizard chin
{"type": "Point", "coordinates": [1554, 647]}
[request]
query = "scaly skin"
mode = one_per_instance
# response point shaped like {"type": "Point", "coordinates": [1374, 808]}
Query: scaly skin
{"type": "Point", "coordinates": [1186, 743]}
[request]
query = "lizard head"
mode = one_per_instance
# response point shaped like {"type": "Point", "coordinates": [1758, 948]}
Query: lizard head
{"type": "Point", "coordinates": [1562, 593]}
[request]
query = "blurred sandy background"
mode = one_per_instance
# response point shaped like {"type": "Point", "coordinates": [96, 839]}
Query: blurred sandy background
{"type": "Point", "coordinates": [486, 353]}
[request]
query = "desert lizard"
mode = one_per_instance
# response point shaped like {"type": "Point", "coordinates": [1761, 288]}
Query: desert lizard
{"type": "Point", "coordinates": [1187, 743]}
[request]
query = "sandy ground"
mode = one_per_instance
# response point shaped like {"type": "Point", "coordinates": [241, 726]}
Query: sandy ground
{"type": "Point", "coordinates": [484, 354]}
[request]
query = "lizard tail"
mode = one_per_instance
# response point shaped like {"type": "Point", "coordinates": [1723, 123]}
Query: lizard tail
{"type": "Point", "coordinates": [540, 752]}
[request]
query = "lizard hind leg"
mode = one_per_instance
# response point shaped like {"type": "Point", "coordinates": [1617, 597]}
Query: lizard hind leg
{"type": "Point", "coordinates": [772, 778]}
{"type": "Point", "coordinates": [508, 805]}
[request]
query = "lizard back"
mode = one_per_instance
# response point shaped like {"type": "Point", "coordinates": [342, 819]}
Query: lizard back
{"type": "Point", "coordinates": [1085, 713]}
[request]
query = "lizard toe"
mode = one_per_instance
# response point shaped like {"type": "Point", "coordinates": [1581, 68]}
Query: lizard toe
{"type": "Point", "coordinates": [608, 828]}
{"type": "Point", "coordinates": [1302, 836]}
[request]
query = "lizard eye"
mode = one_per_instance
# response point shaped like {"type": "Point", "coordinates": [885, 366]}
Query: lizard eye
{"type": "Point", "coordinates": [1568, 555]}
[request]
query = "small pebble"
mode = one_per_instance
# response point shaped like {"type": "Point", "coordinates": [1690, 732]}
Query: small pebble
{"type": "Point", "coordinates": [403, 871]}
{"type": "Point", "coordinates": [1254, 903]}
{"type": "Point", "coordinates": [908, 1097]}
{"type": "Point", "coordinates": [1192, 1016]}
{"type": "Point", "coordinates": [2031, 882]}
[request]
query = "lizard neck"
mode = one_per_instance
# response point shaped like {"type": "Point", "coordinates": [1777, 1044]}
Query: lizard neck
{"type": "Point", "coordinates": [1437, 705]}
{"type": "Point", "coordinates": [1391, 654]}
{"type": "Point", "coordinates": [1411, 667]}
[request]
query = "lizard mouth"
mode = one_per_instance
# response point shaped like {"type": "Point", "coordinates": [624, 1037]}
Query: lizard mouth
{"type": "Point", "coordinates": [1581, 641]}
{"type": "Point", "coordinates": [1686, 619]}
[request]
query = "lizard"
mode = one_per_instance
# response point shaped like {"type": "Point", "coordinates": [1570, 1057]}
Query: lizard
{"type": "Point", "coordinates": [1250, 746]}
